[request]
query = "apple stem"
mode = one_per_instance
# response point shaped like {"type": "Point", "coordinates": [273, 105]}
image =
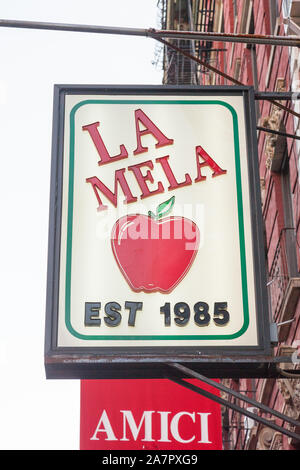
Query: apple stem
{"type": "Point", "coordinates": [163, 209]}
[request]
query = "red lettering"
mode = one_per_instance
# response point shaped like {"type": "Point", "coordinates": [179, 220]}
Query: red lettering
{"type": "Point", "coordinates": [98, 186]}
{"type": "Point", "coordinates": [208, 161]}
{"type": "Point", "coordinates": [141, 179]}
{"type": "Point", "coordinates": [169, 174]}
{"type": "Point", "coordinates": [100, 146]}
{"type": "Point", "coordinates": [151, 128]}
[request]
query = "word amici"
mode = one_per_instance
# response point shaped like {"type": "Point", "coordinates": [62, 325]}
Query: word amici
{"type": "Point", "coordinates": [169, 427]}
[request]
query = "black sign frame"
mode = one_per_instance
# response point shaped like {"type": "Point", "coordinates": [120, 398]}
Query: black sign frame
{"type": "Point", "coordinates": [152, 362]}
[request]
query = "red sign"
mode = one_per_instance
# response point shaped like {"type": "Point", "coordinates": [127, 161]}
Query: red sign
{"type": "Point", "coordinates": [147, 414]}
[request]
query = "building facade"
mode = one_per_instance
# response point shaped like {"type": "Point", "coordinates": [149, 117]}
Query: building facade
{"type": "Point", "coordinates": [266, 68]}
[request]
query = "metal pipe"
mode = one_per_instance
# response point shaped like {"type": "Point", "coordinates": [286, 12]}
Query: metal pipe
{"type": "Point", "coordinates": [277, 95]}
{"type": "Point", "coordinates": [187, 35]}
{"type": "Point", "coordinates": [158, 34]}
{"type": "Point", "coordinates": [79, 28]}
{"type": "Point", "coordinates": [223, 74]}
{"type": "Point", "coordinates": [234, 393]}
{"type": "Point", "coordinates": [286, 322]}
{"type": "Point", "coordinates": [229, 37]}
{"type": "Point", "coordinates": [199, 61]}
{"type": "Point", "coordinates": [233, 406]}
{"type": "Point", "coordinates": [283, 134]}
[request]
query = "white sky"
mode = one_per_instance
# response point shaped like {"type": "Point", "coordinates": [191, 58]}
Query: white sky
{"type": "Point", "coordinates": [36, 413]}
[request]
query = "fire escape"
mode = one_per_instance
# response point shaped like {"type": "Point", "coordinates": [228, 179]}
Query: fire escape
{"type": "Point", "coordinates": [188, 15]}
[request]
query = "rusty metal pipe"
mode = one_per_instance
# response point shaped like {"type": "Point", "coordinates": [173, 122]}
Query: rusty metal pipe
{"type": "Point", "coordinates": [292, 41]}
{"type": "Point", "coordinates": [222, 74]}
{"type": "Point", "coordinates": [159, 34]}
{"type": "Point", "coordinates": [156, 33]}
{"type": "Point", "coordinates": [282, 134]}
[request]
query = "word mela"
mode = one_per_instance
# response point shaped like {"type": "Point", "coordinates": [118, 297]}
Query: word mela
{"type": "Point", "coordinates": [142, 171]}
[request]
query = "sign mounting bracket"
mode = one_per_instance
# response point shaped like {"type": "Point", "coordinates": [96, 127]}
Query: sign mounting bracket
{"type": "Point", "coordinates": [265, 409]}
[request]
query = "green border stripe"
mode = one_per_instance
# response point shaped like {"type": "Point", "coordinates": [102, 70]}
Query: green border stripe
{"type": "Point", "coordinates": [240, 223]}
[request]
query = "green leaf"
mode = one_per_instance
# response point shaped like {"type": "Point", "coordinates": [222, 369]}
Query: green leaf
{"type": "Point", "coordinates": [165, 208]}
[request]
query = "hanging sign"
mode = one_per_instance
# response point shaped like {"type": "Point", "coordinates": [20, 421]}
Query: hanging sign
{"type": "Point", "coordinates": [155, 229]}
{"type": "Point", "coordinates": [147, 415]}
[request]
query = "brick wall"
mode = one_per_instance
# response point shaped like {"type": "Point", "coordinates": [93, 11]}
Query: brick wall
{"type": "Point", "coordinates": [268, 68]}
{"type": "Point", "coordinates": [274, 73]}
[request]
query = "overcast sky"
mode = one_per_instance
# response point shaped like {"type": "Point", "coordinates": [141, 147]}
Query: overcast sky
{"type": "Point", "coordinates": [36, 413]}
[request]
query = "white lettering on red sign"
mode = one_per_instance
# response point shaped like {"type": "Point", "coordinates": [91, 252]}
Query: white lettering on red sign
{"type": "Point", "coordinates": [168, 427]}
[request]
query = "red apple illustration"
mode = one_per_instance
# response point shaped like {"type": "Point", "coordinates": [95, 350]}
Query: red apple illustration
{"type": "Point", "coordinates": [155, 252]}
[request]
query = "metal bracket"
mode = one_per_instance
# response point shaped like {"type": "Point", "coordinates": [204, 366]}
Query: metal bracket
{"type": "Point", "coordinates": [190, 373]}
{"type": "Point", "coordinates": [274, 330]}
{"type": "Point", "coordinates": [274, 334]}
{"type": "Point", "coordinates": [283, 134]}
